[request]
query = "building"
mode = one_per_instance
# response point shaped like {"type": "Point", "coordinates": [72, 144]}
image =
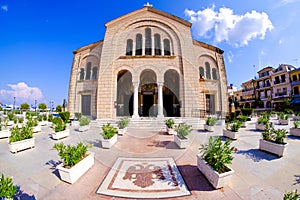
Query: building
{"type": "Point", "coordinates": [147, 65]}
{"type": "Point", "coordinates": [295, 88]}
{"type": "Point", "coordinates": [247, 99]}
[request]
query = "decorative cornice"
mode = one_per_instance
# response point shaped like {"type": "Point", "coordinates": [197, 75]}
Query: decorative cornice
{"type": "Point", "coordinates": [207, 46]}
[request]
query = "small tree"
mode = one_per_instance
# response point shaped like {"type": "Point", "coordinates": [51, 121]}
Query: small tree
{"type": "Point", "coordinates": [42, 106]}
{"type": "Point", "coordinates": [24, 106]}
{"type": "Point", "coordinates": [58, 108]}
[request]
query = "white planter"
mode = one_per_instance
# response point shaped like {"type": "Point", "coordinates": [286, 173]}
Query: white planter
{"type": "Point", "coordinates": [83, 128]}
{"type": "Point", "coordinates": [295, 131]}
{"type": "Point", "coordinates": [182, 144]}
{"type": "Point", "coordinates": [122, 131]}
{"type": "Point", "coordinates": [244, 125]}
{"type": "Point", "coordinates": [5, 133]}
{"type": "Point", "coordinates": [217, 180]}
{"type": "Point", "coordinates": [272, 147]}
{"type": "Point", "coordinates": [14, 147]}
{"type": "Point", "coordinates": [274, 116]}
{"type": "Point", "coordinates": [43, 123]}
{"type": "Point", "coordinates": [230, 134]}
{"type": "Point", "coordinates": [260, 127]}
{"type": "Point", "coordinates": [283, 122]}
{"type": "Point", "coordinates": [108, 143]}
{"type": "Point", "coordinates": [296, 118]}
{"type": "Point", "coordinates": [61, 134]}
{"type": "Point", "coordinates": [10, 123]}
{"type": "Point", "coordinates": [36, 129]}
{"type": "Point", "coordinates": [74, 173]}
{"type": "Point", "coordinates": [171, 131]}
{"type": "Point", "coordinates": [209, 128]}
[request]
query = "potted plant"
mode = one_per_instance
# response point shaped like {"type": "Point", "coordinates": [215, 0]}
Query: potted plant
{"type": "Point", "coordinates": [292, 195]}
{"type": "Point", "coordinates": [76, 161]}
{"type": "Point", "coordinates": [122, 125]}
{"type": "Point", "coordinates": [231, 130]}
{"type": "Point", "coordinates": [7, 189]}
{"type": "Point", "coordinates": [181, 138]}
{"type": "Point", "coordinates": [273, 114]}
{"type": "Point", "coordinates": [273, 140]}
{"type": "Point", "coordinates": [170, 123]}
{"type": "Point", "coordinates": [21, 139]}
{"type": "Point", "coordinates": [60, 129]}
{"type": "Point", "coordinates": [261, 123]}
{"type": "Point", "coordinates": [213, 161]}
{"type": "Point", "coordinates": [210, 123]}
{"type": "Point", "coordinates": [283, 119]}
{"type": "Point", "coordinates": [296, 130]}
{"type": "Point", "coordinates": [109, 136]}
{"type": "Point", "coordinates": [32, 122]}
{"type": "Point", "coordinates": [84, 124]}
{"type": "Point", "coordinates": [243, 119]}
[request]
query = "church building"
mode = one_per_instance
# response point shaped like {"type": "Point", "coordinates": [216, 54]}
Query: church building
{"type": "Point", "coordinates": [148, 65]}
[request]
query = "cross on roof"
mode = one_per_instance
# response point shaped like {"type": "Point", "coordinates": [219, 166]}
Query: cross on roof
{"type": "Point", "coordinates": [148, 4]}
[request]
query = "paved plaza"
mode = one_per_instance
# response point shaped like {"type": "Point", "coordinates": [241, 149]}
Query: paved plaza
{"type": "Point", "coordinates": [258, 175]}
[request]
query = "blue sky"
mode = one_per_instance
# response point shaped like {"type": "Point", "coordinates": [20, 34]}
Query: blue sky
{"type": "Point", "coordinates": [37, 38]}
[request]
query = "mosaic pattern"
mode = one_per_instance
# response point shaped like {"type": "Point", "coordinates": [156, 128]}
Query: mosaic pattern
{"type": "Point", "coordinates": [144, 178]}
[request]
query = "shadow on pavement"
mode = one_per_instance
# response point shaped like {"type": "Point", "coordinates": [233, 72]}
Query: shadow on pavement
{"type": "Point", "coordinates": [256, 155]}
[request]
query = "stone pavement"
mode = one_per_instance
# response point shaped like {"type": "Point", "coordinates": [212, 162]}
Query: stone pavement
{"type": "Point", "coordinates": [258, 175]}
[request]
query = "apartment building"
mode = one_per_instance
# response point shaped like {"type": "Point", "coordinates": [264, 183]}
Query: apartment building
{"type": "Point", "coordinates": [295, 88]}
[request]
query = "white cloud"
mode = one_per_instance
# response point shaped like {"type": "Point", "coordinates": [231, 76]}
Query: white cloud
{"type": "Point", "coordinates": [22, 92]}
{"type": "Point", "coordinates": [285, 2]}
{"type": "Point", "coordinates": [4, 8]}
{"type": "Point", "coordinates": [224, 25]}
{"type": "Point", "coordinates": [230, 56]}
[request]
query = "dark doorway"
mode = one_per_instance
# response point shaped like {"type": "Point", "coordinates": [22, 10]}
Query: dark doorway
{"type": "Point", "coordinates": [128, 105]}
{"type": "Point", "coordinates": [168, 105]}
{"type": "Point", "coordinates": [86, 105]}
{"type": "Point", "coordinates": [147, 104]}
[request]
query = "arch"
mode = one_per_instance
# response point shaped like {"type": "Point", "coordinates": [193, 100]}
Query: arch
{"type": "Point", "coordinates": [207, 70]}
{"type": "Point", "coordinates": [139, 44]}
{"type": "Point", "coordinates": [171, 93]}
{"type": "Point", "coordinates": [88, 71]}
{"type": "Point", "coordinates": [167, 47]}
{"type": "Point", "coordinates": [148, 42]}
{"type": "Point", "coordinates": [201, 72]}
{"type": "Point", "coordinates": [157, 44]}
{"type": "Point", "coordinates": [81, 74]}
{"type": "Point", "coordinates": [148, 76]}
{"type": "Point", "coordinates": [94, 73]}
{"type": "Point", "coordinates": [129, 47]}
{"type": "Point", "coordinates": [124, 93]}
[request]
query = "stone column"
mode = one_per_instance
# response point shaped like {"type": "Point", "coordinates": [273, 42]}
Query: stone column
{"type": "Point", "coordinates": [160, 101]}
{"type": "Point", "coordinates": [136, 100]}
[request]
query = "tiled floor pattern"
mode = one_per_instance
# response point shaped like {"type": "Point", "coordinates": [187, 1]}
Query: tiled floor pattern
{"type": "Point", "coordinates": [144, 178]}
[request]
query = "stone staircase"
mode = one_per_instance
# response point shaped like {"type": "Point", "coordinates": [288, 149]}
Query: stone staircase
{"type": "Point", "coordinates": [152, 123]}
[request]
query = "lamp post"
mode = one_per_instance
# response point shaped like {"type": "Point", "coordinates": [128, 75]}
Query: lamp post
{"type": "Point", "coordinates": [14, 103]}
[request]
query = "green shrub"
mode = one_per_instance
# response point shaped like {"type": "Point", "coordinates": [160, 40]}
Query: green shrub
{"type": "Point", "coordinates": [296, 123]}
{"type": "Point", "coordinates": [20, 120]}
{"type": "Point", "coordinates": [71, 155]}
{"type": "Point", "coordinates": [170, 123]}
{"type": "Point", "coordinates": [234, 126]}
{"type": "Point", "coordinates": [58, 124]}
{"type": "Point", "coordinates": [108, 131]}
{"type": "Point", "coordinates": [273, 112]}
{"type": "Point", "coordinates": [18, 134]}
{"type": "Point", "coordinates": [44, 117]}
{"type": "Point", "coordinates": [10, 116]}
{"type": "Point", "coordinates": [32, 122]}
{"type": "Point", "coordinates": [272, 135]}
{"type": "Point", "coordinates": [65, 116]}
{"type": "Point", "coordinates": [293, 195]}
{"type": "Point", "coordinates": [243, 118]}
{"type": "Point", "coordinates": [183, 130]}
{"type": "Point", "coordinates": [7, 189]}
{"type": "Point", "coordinates": [288, 111]}
{"type": "Point", "coordinates": [211, 121]}
{"type": "Point", "coordinates": [216, 154]}
{"type": "Point", "coordinates": [247, 111]}
{"type": "Point", "coordinates": [40, 118]}
{"type": "Point", "coordinates": [84, 121]}
{"type": "Point", "coordinates": [50, 118]}
{"type": "Point", "coordinates": [283, 116]}
{"type": "Point", "coordinates": [78, 115]}
{"type": "Point", "coordinates": [263, 120]}
{"type": "Point", "coordinates": [123, 123]}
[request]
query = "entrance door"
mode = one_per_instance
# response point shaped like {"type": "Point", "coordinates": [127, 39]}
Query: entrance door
{"type": "Point", "coordinates": [86, 105]}
{"type": "Point", "coordinates": [210, 104]}
{"type": "Point", "coordinates": [147, 104]}
{"type": "Point", "coordinates": [168, 105]}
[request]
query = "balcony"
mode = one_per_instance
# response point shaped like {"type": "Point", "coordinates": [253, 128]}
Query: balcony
{"type": "Point", "coordinates": [280, 94]}
{"type": "Point", "coordinates": [263, 86]}
{"type": "Point", "coordinates": [279, 82]}
{"type": "Point", "coordinates": [297, 82]}
{"type": "Point", "coordinates": [247, 100]}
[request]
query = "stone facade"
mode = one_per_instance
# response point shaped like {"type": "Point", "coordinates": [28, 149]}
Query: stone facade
{"type": "Point", "coordinates": [148, 65]}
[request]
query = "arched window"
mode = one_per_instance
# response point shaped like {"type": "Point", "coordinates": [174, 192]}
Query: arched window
{"type": "Point", "coordinates": [88, 71]}
{"type": "Point", "coordinates": [214, 74]}
{"type": "Point", "coordinates": [167, 49]}
{"type": "Point", "coordinates": [129, 47]}
{"type": "Point", "coordinates": [201, 72]}
{"type": "Point", "coordinates": [81, 77]}
{"type": "Point", "coordinates": [139, 45]}
{"type": "Point", "coordinates": [148, 44]}
{"type": "Point", "coordinates": [95, 72]}
{"type": "Point", "coordinates": [157, 44]}
{"type": "Point", "coordinates": [207, 69]}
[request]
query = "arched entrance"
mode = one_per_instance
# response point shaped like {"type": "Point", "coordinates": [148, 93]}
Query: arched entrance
{"type": "Point", "coordinates": [124, 93]}
{"type": "Point", "coordinates": [148, 94]}
{"type": "Point", "coordinates": [171, 94]}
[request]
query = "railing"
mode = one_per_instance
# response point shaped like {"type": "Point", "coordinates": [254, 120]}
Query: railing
{"type": "Point", "coordinates": [280, 94]}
